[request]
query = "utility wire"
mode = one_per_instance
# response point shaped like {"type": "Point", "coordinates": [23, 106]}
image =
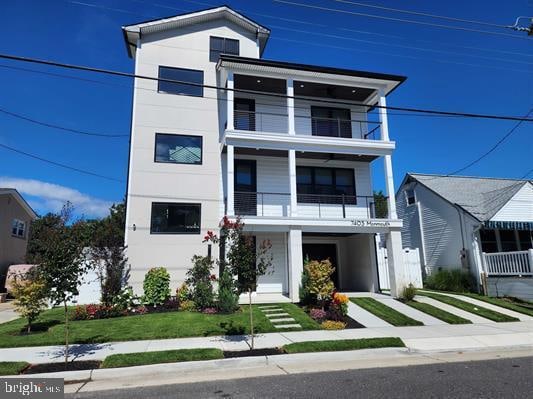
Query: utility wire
{"type": "Point", "coordinates": [133, 75]}
{"type": "Point", "coordinates": [423, 14]}
{"type": "Point", "coordinates": [397, 19]}
{"type": "Point", "coordinates": [527, 174]}
{"type": "Point", "coordinates": [59, 164]}
{"type": "Point", "coordinates": [66, 129]}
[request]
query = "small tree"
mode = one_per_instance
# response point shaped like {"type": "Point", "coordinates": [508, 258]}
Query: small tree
{"type": "Point", "coordinates": [61, 264]}
{"type": "Point", "coordinates": [380, 205]}
{"type": "Point", "coordinates": [200, 278]}
{"type": "Point", "coordinates": [156, 286]}
{"type": "Point", "coordinates": [244, 261]}
{"type": "Point", "coordinates": [319, 280]}
{"type": "Point", "coordinates": [30, 297]}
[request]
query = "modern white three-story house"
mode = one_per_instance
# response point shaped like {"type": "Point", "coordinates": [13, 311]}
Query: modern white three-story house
{"type": "Point", "coordinates": [287, 147]}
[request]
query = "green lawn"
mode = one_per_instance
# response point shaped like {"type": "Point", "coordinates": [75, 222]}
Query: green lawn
{"type": "Point", "coordinates": [438, 313]}
{"type": "Point", "coordinates": [385, 312]}
{"type": "Point", "coordinates": [469, 307]}
{"type": "Point", "coordinates": [343, 345]}
{"type": "Point", "coordinates": [50, 328]}
{"type": "Point", "coordinates": [171, 356]}
{"type": "Point", "coordinates": [12, 368]}
{"type": "Point", "coordinates": [503, 303]}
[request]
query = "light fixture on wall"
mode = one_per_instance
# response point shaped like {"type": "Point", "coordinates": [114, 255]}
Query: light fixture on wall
{"type": "Point", "coordinates": [134, 227]}
{"type": "Point", "coordinates": [258, 80]}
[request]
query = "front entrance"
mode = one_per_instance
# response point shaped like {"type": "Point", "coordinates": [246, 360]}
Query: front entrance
{"type": "Point", "coordinates": [321, 252]}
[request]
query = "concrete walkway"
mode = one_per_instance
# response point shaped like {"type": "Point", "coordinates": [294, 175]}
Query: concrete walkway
{"type": "Point", "coordinates": [7, 312]}
{"type": "Point", "coordinates": [474, 318]}
{"type": "Point", "coordinates": [411, 312]}
{"type": "Point", "coordinates": [364, 317]}
{"type": "Point", "coordinates": [423, 338]}
{"type": "Point", "coordinates": [486, 305]}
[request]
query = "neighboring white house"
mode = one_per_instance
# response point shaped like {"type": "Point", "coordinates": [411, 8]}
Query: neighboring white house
{"type": "Point", "coordinates": [286, 146]}
{"type": "Point", "coordinates": [484, 224]}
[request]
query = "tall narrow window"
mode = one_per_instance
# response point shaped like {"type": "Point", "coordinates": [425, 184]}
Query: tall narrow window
{"type": "Point", "coordinates": [177, 148]}
{"type": "Point", "coordinates": [192, 81]}
{"type": "Point", "coordinates": [175, 218]}
{"type": "Point", "coordinates": [222, 45]}
{"type": "Point", "coordinates": [410, 197]}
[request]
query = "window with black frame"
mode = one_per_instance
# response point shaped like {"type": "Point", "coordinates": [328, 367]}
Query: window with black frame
{"type": "Point", "coordinates": [192, 76]}
{"type": "Point", "coordinates": [332, 122]}
{"type": "Point", "coordinates": [222, 45]}
{"type": "Point", "coordinates": [175, 218]}
{"type": "Point", "coordinates": [325, 185]}
{"type": "Point", "coordinates": [178, 148]}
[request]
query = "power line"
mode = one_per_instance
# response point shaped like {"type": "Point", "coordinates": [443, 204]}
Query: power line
{"type": "Point", "coordinates": [397, 19]}
{"type": "Point", "coordinates": [133, 75]}
{"type": "Point", "coordinates": [67, 129]}
{"type": "Point", "coordinates": [423, 14]}
{"type": "Point", "coordinates": [59, 164]}
{"type": "Point", "coordinates": [527, 174]}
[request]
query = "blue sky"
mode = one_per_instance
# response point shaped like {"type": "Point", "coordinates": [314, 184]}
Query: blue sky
{"type": "Point", "coordinates": [446, 69]}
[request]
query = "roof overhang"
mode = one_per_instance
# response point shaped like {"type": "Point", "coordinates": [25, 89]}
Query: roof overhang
{"type": "Point", "coordinates": [22, 202]}
{"type": "Point", "coordinates": [132, 33]}
{"type": "Point", "coordinates": [349, 77]}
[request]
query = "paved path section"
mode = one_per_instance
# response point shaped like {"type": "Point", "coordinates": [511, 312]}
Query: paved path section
{"type": "Point", "coordinates": [490, 306]}
{"type": "Point", "coordinates": [411, 312]}
{"type": "Point", "coordinates": [474, 318]}
{"type": "Point", "coordinates": [364, 317]}
{"type": "Point", "coordinates": [278, 317]}
{"type": "Point", "coordinates": [7, 312]}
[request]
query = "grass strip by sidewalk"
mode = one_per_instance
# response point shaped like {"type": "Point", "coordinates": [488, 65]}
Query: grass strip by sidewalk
{"type": "Point", "coordinates": [469, 307]}
{"type": "Point", "coordinates": [385, 312]}
{"type": "Point", "coordinates": [502, 303]}
{"type": "Point", "coordinates": [12, 368]}
{"type": "Point", "coordinates": [343, 345]}
{"type": "Point", "coordinates": [171, 356]}
{"type": "Point", "coordinates": [440, 314]}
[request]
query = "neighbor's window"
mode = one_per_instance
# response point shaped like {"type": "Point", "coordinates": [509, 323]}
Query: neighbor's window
{"type": "Point", "coordinates": [222, 45]}
{"type": "Point", "coordinates": [526, 239]}
{"type": "Point", "coordinates": [410, 197]}
{"type": "Point", "coordinates": [489, 243]}
{"type": "Point", "coordinates": [183, 75]}
{"type": "Point", "coordinates": [175, 218]}
{"type": "Point", "coordinates": [18, 228]}
{"type": "Point", "coordinates": [508, 240]}
{"type": "Point", "coordinates": [178, 148]}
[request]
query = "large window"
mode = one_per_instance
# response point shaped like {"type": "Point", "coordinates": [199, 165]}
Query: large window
{"type": "Point", "coordinates": [526, 239]}
{"type": "Point", "coordinates": [182, 75]}
{"type": "Point", "coordinates": [508, 240]}
{"type": "Point", "coordinates": [222, 45]}
{"type": "Point", "coordinates": [18, 228]}
{"type": "Point", "coordinates": [325, 185]}
{"type": "Point", "coordinates": [175, 218]}
{"type": "Point", "coordinates": [334, 122]}
{"type": "Point", "coordinates": [177, 148]}
{"type": "Point", "coordinates": [489, 243]}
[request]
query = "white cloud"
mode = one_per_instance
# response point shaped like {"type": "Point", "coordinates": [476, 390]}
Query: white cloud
{"type": "Point", "coordinates": [48, 197]}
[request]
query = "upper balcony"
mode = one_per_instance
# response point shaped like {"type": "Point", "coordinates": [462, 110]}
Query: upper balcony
{"type": "Point", "coordinates": [290, 106]}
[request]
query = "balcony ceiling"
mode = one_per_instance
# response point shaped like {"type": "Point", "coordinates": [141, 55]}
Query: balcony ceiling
{"type": "Point", "coordinates": [326, 157]}
{"type": "Point", "coordinates": [310, 89]}
{"type": "Point", "coordinates": [259, 83]}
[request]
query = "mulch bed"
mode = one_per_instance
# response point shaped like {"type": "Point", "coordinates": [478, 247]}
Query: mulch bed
{"type": "Point", "coordinates": [55, 367]}
{"type": "Point", "coordinates": [351, 323]}
{"type": "Point", "coordinates": [253, 352]}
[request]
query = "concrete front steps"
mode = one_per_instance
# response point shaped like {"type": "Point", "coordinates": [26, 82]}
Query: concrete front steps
{"type": "Point", "coordinates": [279, 318]}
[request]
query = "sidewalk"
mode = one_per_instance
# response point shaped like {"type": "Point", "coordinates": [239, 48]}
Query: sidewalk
{"type": "Point", "coordinates": [436, 338]}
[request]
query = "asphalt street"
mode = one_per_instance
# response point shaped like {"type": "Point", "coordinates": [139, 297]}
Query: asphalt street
{"type": "Point", "coordinates": [502, 378]}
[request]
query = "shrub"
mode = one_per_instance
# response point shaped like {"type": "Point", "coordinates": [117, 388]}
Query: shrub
{"type": "Point", "coordinates": [456, 280]}
{"type": "Point", "coordinates": [319, 280]}
{"type": "Point", "coordinates": [210, 310]}
{"type": "Point", "coordinates": [228, 296]}
{"type": "Point", "coordinates": [125, 300]}
{"type": "Point", "coordinates": [317, 314]}
{"type": "Point", "coordinates": [408, 293]}
{"type": "Point", "coordinates": [187, 306]}
{"type": "Point", "coordinates": [338, 308]}
{"type": "Point", "coordinates": [183, 293]}
{"type": "Point", "coordinates": [306, 298]}
{"type": "Point", "coordinates": [200, 279]}
{"type": "Point", "coordinates": [156, 286]}
{"type": "Point", "coordinates": [80, 313]}
{"type": "Point", "coordinates": [333, 325]}
{"type": "Point", "coordinates": [30, 298]}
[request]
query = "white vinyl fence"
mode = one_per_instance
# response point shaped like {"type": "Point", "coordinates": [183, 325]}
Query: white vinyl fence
{"type": "Point", "coordinates": [411, 259]}
{"type": "Point", "coordinates": [515, 263]}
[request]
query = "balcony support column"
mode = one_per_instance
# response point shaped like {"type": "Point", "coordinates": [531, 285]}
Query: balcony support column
{"type": "Point", "coordinates": [389, 178]}
{"type": "Point", "coordinates": [230, 207]}
{"type": "Point", "coordinates": [292, 183]}
{"type": "Point", "coordinates": [290, 106]}
{"type": "Point", "coordinates": [295, 263]}
{"type": "Point", "coordinates": [230, 95]}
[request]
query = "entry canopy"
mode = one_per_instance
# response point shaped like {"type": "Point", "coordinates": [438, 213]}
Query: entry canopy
{"type": "Point", "coordinates": [504, 225]}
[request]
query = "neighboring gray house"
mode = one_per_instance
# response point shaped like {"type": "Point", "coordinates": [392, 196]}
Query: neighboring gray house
{"type": "Point", "coordinates": [484, 224]}
{"type": "Point", "coordinates": [15, 218]}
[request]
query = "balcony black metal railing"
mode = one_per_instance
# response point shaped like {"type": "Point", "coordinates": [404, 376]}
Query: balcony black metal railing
{"type": "Point", "coordinates": [306, 125]}
{"type": "Point", "coordinates": [309, 205]}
